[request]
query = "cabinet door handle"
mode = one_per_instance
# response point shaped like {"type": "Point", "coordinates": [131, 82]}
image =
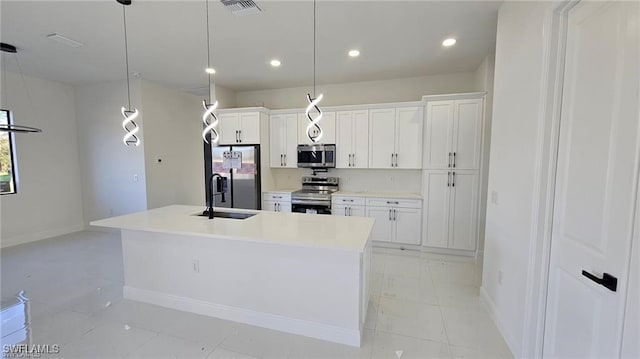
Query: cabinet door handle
{"type": "Point", "coordinates": [347, 200]}
{"type": "Point", "coordinates": [454, 160]}
{"type": "Point", "coordinates": [396, 160]}
{"type": "Point", "coordinates": [448, 179]}
{"type": "Point", "coordinates": [453, 180]}
{"type": "Point", "coordinates": [240, 135]}
{"type": "Point", "coordinates": [392, 160]}
{"type": "Point", "coordinates": [393, 202]}
{"type": "Point", "coordinates": [350, 214]}
{"type": "Point", "coordinates": [353, 156]}
{"type": "Point", "coordinates": [389, 214]}
{"type": "Point", "coordinates": [608, 281]}
{"type": "Point", "coordinates": [394, 215]}
{"type": "Point", "coordinates": [281, 160]}
{"type": "Point", "coordinates": [285, 159]}
{"type": "Point", "coordinates": [449, 164]}
{"type": "Point", "coordinates": [236, 136]}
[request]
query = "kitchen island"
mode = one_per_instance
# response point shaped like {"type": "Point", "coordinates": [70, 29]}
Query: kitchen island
{"type": "Point", "coordinates": [297, 273]}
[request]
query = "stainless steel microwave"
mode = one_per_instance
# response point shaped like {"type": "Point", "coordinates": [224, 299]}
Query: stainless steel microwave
{"type": "Point", "coordinates": [317, 156]}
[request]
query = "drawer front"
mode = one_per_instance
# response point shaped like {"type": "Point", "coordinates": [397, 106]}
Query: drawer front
{"type": "Point", "coordinates": [394, 202]}
{"type": "Point", "coordinates": [277, 196]}
{"type": "Point", "coordinates": [353, 201]}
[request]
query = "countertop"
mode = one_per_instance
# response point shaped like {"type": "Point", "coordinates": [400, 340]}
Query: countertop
{"type": "Point", "coordinates": [297, 229]}
{"type": "Point", "coordinates": [399, 195]}
{"type": "Point", "coordinates": [286, 190]}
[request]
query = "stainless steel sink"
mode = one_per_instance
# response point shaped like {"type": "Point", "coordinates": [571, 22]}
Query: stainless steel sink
{"type": "Point", "coordinates": [233, 215]}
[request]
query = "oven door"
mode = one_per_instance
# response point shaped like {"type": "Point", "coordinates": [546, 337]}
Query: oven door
{"type": "Point", "coordinates": [310, 207]}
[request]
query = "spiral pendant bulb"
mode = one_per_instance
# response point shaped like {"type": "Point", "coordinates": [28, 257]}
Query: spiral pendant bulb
{"type": "Point", "coordinates": [130, 126]}
{"type": "Point", "coordinates": [314, 136]}
{"type": "Point", "coordinates": [210, 125]}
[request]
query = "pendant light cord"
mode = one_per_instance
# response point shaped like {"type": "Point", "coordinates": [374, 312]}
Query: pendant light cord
{"type": "Point", "coordinates": [126, 54]}
{"type": "Point", "coordinates": [208, 50]}
{"type": "Point", "coordinates": [314, 48]}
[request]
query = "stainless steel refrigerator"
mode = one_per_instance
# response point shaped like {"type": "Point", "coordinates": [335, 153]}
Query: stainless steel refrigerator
{"type": "Point", "coordinates": [243, 183]}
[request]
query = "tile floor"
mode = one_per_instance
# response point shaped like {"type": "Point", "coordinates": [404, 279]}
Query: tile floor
{"type": "Point", "coordinates": [425, 305]}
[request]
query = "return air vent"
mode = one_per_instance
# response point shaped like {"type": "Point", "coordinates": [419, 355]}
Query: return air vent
{"type": "Point", "coordinates": [241, 7]}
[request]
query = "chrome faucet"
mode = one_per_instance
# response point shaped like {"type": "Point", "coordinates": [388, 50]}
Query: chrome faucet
{"type": "Point", "coordinates": [212, 193]}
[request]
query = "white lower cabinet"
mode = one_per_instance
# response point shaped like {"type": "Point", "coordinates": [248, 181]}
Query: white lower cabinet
{"type": "Point", "coordinates": [397, 221]}
{"type": "Point", "coordinates": [348, 210]}
{"type": "Point", "coordinates": [451, 209]}
{"type": "Point", "coordinates": [276, 201]}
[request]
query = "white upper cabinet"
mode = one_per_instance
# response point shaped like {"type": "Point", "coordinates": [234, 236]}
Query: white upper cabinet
{"type": "Point", "coordinates": [352, 139]}
{"type": "Point", "coordinates": [239, 128]}
{"type": "Point", "coordinates": [453, 134]}
{"type": "Point", "coordinates": [395, 138]}
{"type": "Point", "coordinates": [327, 124]}
{"type": "Point", "coordinates": [283, 134]}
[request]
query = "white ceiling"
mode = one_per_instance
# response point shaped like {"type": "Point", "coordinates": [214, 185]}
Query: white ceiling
{"type": "Point", "coordinates": [167, 40]}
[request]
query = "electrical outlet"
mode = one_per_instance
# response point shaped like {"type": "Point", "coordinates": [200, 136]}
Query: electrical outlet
{"type": "Point", "coordinates": [494, 197]}
{"type": "Point", "coordinates": [500, 277]}
{"type": "Point", "coordinates": [195, 266]}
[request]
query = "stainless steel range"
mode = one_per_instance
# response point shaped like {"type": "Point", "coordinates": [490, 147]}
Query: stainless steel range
{"type": "Point", "coordinates": [315, 195]}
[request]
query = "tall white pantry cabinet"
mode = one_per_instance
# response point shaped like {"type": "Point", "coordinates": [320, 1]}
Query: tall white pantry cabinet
{"type": "Point", "coordinates": [451, 170]}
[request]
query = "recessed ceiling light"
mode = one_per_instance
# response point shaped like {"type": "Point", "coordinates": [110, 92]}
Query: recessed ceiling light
{"type": "Point", "coordinates": [449, 42]}
{"type": "Point", "coordinates": [210, 70]}
{"type": "Point", "coordinates": [275, 63]}
{"type": "Point", "coordinates": [354, 53]}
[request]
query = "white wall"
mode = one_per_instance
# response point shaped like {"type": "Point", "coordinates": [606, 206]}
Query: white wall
{"type": "Point", "coordinates": [108, 167]}
{"type": "Point", "coordinates": [48, 202]}
{"type": "Point", "coordinates": [226, 97]}
{"type": "Point", "coordinates": [172, 127]}
{"type": "Point", "coordinates": [397, 90]}
{"type": "Point", "coordinates": [484, 82]}
{"type": "Point", "coordinates": [517, 114]}
{"type": "Point", "coordinates": [374, 180]}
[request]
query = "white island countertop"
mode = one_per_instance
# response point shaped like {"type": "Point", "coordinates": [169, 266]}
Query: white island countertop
{"type": "Point", "coordinates": [297, 229]}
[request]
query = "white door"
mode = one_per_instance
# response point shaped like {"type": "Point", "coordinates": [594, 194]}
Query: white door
{"type": "Point", "coordinates": [290, 141]}
{"type": "Point", "coordinates": [438, 135]}
{"type": "Point", "coordinates": [357, 211]}
{"type": "Point", "coordinates": [467, 134]}
{"type": "Point", "coordinates": [437, 187]}
{"type": "Point", "coordinates": [596, 181]}
{"type": "Point", "coordinates": [382, 227]}
{"type": "Point", "coordinates": [360, 158]}
{"type": "Point", "coordinates": [409, 137]}
{"type": "Point", "coordinates": [462, 220]}
{"type": "Point", "coordinates": [344, 138]}
{"type": "Point", "coordinates": [382, 123]}
{"type": "Point", "coordinates": [229, 127]}
{"type": "Point", "coordinates": [407, 225]}
{"type": "Point", "coordinates": [250, 128]}
{"type": "Point", "coordinates": [277, 134]}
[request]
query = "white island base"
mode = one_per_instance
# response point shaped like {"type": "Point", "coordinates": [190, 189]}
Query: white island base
{"type": "Point", "coordinates": [226, 269]}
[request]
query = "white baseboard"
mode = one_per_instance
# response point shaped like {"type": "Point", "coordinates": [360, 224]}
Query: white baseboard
{"type": "Point", "coordinates": [247, 316]}
{"type": "Point", "coordinates": [491, 309]}
{"type": "Point", "coordinates": [32, 237]}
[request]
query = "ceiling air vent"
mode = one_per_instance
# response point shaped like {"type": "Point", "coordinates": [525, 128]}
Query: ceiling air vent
{"type": "Point", "coordinates": [241, 7]}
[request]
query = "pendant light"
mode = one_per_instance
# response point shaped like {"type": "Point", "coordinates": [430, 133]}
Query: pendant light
{"type": "Point", "coordinates": [314, 131]}
{"type": "Point", "coordinates": [209, 118]}
{"type": "Point", "coordinates": [9, 127]}
{"type": "Point", "coordinates": [128, 124]}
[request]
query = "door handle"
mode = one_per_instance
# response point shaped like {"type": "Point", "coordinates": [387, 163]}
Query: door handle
{"type": "Point", "coordinates": [392, 160]}
{"type": "Point", "coordinates": [449, 160]}
{"type": "Point", "coordinates": [281, 160]}
{"type": "Point", "coordinates": [349, 160]}
{"type": "Point", "coordinates": [454, 160]}
{"type": "Point", "coordinates": [394, 215]}
{"type": "Point", "coordinates": [608, 281]}
{"type": "Point", "coordinates": [240, 135]}
{"type": "Point", "coordinates": [396, 160]}
{"type": "Point", "coordinates": [285, 159]}
{"type": "Point", "coordinates": [236, 136]}
{"type": "Point", "coordinates": [353, 157]}
{"type": "Point", "coordinates": [389, 214]}
{"type": "Point", "coordinates": [448, 179]}
{"type": "Point", "coordinates": [453, 179]}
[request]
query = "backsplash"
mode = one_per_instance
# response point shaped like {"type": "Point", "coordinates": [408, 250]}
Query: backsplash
{"type": "Point", "coordinates": [357, 180]}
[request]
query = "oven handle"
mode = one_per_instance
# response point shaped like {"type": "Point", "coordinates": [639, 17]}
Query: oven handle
{"type": "Point", "coordinates": [312, 202]}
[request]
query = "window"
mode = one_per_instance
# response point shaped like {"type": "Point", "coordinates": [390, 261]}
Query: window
{"type": "Point", "coordinates": [7, 158]}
